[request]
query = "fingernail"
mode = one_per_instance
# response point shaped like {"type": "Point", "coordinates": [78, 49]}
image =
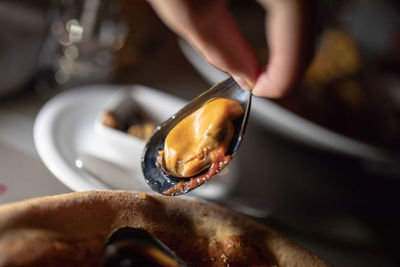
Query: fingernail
{"type": "Point", "coordinates": [245, 84]}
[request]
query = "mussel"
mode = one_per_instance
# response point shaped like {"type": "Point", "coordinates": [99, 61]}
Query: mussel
{"type": "Point", "coordinates": [200, 157]}
{"type": "Point", "coordinates": [130, 247]}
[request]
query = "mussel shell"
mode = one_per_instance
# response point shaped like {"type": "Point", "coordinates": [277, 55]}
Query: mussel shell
{"type": "Point", "coordinates": [136, 247]}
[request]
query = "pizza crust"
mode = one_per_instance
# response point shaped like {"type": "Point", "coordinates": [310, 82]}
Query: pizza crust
{"type": "Point", "coordinates": [72, 229]}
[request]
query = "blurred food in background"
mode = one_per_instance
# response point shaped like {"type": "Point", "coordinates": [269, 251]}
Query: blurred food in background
{"type": "Point", "coordinates": [343, 93]}
{"type": "Point", "coordinates": [138, 125]}
{"type": "Point", "coordinates": [146, 34]}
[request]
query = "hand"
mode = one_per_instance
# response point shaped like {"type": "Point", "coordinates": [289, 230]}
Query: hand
{"type": "Point", "coordinates": [211, 29]}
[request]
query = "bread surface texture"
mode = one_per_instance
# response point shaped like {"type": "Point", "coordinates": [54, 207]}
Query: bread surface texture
{"type": "Point", "coordinates": [72, 230]}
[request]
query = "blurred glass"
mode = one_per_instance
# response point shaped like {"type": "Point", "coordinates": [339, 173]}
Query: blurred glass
{"type": "Point", "coordinates": [82, 42]}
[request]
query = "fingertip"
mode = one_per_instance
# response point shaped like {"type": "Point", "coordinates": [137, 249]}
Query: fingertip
{"type": "Point", "coordinates": [246, 84]}
{"type": "Point", "coordinates": [287, 45]}
{"type": "Point", "coordinates": [270, 88]}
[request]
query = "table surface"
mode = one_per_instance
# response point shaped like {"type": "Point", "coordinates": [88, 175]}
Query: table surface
{"type": "Point", "coordinates": [341, 227]}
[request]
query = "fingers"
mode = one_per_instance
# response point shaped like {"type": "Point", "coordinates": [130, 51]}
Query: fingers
{"type": "Point", "coordinates": [211, 29]}
{"type": "Point", "coordinates": [285, 29]}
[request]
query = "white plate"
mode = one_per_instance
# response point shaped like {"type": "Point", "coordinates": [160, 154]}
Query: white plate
{"type": "Point", "coordinates": [275, 117]}
{"type": "Point", "coordinates": [65, 128]}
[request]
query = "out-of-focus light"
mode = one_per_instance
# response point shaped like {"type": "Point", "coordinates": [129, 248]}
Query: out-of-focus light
{"type": "Point", "coordinates": [64, 40]}
{"type": "Point", "coordinates": [71, 52]}
{"type": "Point", "coordinates": [66, 64]}
{"type": "Point", "coordinates": [70, 23]}
{"type": "Point", "coordinates": [79, 163]}
{"type": "Point", "coordinates": [75, 30]}
{"type": "Point", "coordinates": [76, 33]}
{"type": "Point", "coordinates": [61, 77]}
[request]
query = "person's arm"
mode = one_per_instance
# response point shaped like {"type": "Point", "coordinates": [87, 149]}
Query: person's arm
{"type": "Point", "coordinates": [211, 29]}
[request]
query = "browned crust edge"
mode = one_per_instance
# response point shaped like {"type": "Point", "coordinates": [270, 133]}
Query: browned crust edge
{"type": "Point", "coordinates": [73, 228]}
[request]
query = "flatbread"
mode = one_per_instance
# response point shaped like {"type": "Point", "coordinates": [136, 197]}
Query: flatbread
{"type": "Point", "coordinates": [72, 230]}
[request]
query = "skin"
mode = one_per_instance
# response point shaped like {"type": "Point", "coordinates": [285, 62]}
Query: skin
{"type": "Point", "coordinates": [210, 27]}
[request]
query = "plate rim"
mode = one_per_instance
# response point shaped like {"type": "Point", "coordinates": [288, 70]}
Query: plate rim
{"type": "Point", "coordinates": [46, 146]}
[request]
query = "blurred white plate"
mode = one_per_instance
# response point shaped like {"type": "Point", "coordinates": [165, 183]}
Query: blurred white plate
{"type": "Point", "coordinates": [68, 126]}
{"type": "Point", "coordinates": [64, 127]}
{"type": "Point", "coordinates": [273, 116]}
